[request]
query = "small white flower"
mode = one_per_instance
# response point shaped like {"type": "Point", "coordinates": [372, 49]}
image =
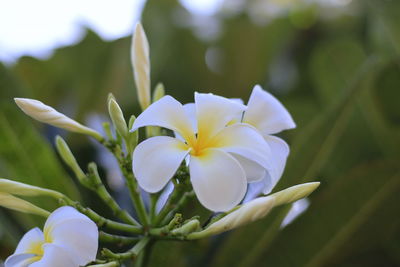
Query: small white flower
{"type": "Point", "coordinates": [69, 239]}
{"type": "Point", "coordinates": [218, 179]}
{"type": "Point", "coordinates": [268, 116]}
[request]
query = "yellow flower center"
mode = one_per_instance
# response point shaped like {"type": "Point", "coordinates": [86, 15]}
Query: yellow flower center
{"type": "Point", "coordinates": [201, 143]}
{"type": "Point", "coordinates": [36, 248]}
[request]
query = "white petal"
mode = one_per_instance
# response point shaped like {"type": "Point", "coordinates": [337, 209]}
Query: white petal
{"type": "Point", "coordinates": [266, 113]}
{"type": "Point", "coordinates": [156, 160]}
{"type": "Point", "coordinates": [218, 180]}
{"type": "Point", "coordinates": [190, 110]}
{"type": "Point", "coordinates": [253, 190]}
{"type": "Point", "coordinates": [20, 260]}
{"type": "Point", "coordinates": [168, 113]}
{"type": "Point", "coordinates": [55, 255]}
{"type": "Point", "coordinates": [31, 239]}
{"type": "Point", "coordinates": [279, 152]}
{"type": "Point", "coordinates": [75, 232]}
{"type": "Point", "coordinates": [237, 100]}
{"type": "Point", "coordinates": [254, 172]}
{"type": "Point", "coordinates": [60, 215]}
{"type": "Point", "coordinates": [244, 140]}
{"type": "Point", "coordinates": [298, 207]}
{"type": "Point", "coordinates": [164, 196]}
{"type": "Point", "coordinates": [214, 113]}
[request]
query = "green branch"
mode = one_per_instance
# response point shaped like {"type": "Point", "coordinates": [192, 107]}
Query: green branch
{"type": "Point", "coordinates": [130, 254]}
{"type": "Point", "coordinates": [92, 181]}
{"type": "Point", "coordinates": [125, 164]}
{"type": "Point", "coordinates": [186, 197]}
{"type": "Point", "coordinates": [100, 189]}
{"type": "Point", "coordinates": [134, 191]}
{"type": "Point", "coordinates": [116, 239]}
{"type": "Point", "coordinates": [101, 221]}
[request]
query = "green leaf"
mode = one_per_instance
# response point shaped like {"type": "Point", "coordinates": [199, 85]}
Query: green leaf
{"type": "Point", "coordinates": [312, 149]}
{"type": "Point", "coordinates": [27, 157]}
{"type": "Point", "coordinates": [317, 238]}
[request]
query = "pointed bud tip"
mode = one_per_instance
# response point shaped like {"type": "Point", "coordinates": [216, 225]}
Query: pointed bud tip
{"type": "Point", "coordinates": [138, 26]}
{"type": "Point", "coordinates": [112, 102]}
{"type": "Point", "coordinates": [21, 102]}
{"type": "Point", "coordinates": [312, 185]}
{"type": "Point", "coordinates": [110, 97]}
{"type": "Point", "coordinates": [294, 193]}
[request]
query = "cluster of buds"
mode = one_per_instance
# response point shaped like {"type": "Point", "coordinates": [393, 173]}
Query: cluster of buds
{"type": "Point", "coordinates": [218, 147]}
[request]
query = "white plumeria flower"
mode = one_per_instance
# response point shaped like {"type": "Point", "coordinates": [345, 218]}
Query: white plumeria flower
{"type": "Point", "coordinates": [268, 116]}
{"type": "Point", "coordinates": [265, 113]}
{"type": "Point", "coordinates": [218, 179]}
{"type": "Point", "coordinates": [69, 239]}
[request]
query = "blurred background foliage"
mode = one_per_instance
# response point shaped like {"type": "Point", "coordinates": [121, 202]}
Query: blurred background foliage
{"type": "Point", "coordinates": [335, 67]}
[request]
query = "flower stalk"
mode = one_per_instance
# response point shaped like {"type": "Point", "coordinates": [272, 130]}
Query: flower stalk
{"type": "Point", "coordinates": [98, 186]}
{"type": "Point", "coordinates": [130, 254]}
{"type": "Point", "coordinates": [116, 239]}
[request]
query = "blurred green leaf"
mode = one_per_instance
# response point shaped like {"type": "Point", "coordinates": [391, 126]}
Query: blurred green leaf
{"type": "Point", "coordinates": [27, 157]}
{"type": "Point", "coordinates": [311, 150]}
{"type": "Point", "coordinates": [318, 238]}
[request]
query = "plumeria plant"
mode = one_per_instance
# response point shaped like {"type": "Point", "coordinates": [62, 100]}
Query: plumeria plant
{"type": "Point", "coordinates": [212, 150]}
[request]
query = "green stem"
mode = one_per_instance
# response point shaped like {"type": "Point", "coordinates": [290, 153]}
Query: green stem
{"type": "Point", "coordinates": [101, 191]}
{"type": "Point", "coordinates": [165, 230]}
{"type": "Point", "coordinates": [186, 197]}
{"type": "Point", "coordinates": [170, 204]}
{"type": "Point", "coordinates": [116, 239]}
{"type": "Point", "coordinates": [130, 254]}
{"type": "Point", "coordinates": [101, 221]}
{"type": "Point", "coordinates": [107, 130]}
{"type": "Point", "coordinates": [125, 164]}
{"type": "Point", "coordinates": [153, 204]}
{"type": "Point", "coordinates": [140, 259]}
{"type": "Point", "coordinates": [108, 264]}
{"type": "Point", "coordinates": [134, 191]}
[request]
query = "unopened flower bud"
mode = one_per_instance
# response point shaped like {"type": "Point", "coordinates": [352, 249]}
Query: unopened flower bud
{"type": "Point", "coordinates": [21, 189]}
{"type": "Point", "coordinates": [256, 209]}
{"type": "Point", "coordinates": [187, 228]}
{"type": "Point", "coordinates": [294, 193]}
{"type": "Point", "coordinates": [117, 118]}
{"type": "Point", "coordinates": [141, 65]}
{"type": "Point", "coordinates": [249, 212]}
{"type": "Point", "coordinates": [133, 137]}
{"type": "Point", "coordinates": [159, 92]}
{"type": "Point", "coordinates": [108, 264]}
{"type": "Point", "coordinates": [49, 115]}
{"type": "Point", "coordinates": [69, 158]}
{"type": "Point", "coordinates": [14, 203]}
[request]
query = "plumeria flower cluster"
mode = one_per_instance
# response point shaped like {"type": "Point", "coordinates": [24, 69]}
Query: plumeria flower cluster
{"type": "Point", "coordinates": [223, 151]}
{"type": "Point", "coordinates": [212, 150]}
